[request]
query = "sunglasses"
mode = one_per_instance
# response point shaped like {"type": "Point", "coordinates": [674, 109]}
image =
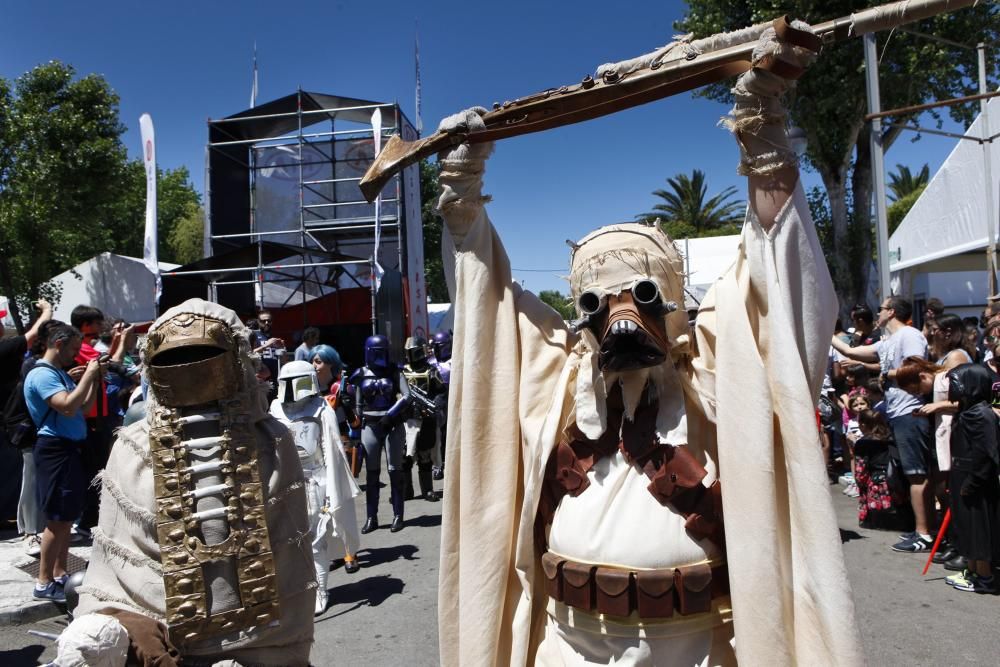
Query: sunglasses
{"type": "Point", "coordinates": [992, 339]}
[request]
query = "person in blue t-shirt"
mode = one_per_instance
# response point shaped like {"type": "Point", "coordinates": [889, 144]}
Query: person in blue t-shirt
{"type": "Point", "coordinates": [57, 401]}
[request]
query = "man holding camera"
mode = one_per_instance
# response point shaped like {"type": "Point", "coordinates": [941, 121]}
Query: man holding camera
{"type": "Point", "coordinates": [57, 401]}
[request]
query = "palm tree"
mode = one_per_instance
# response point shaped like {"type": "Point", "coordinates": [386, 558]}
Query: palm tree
{"type": "Point", "coordinates": [685, 202]}
{"type": "Point", "coordinates": [903, 182]}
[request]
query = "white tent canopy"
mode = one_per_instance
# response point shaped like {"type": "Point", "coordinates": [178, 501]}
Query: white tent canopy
{"type": "Point", "coordinates": [950, 217]}
{"type": "Point", "coordinates": [119, 286]}
{"type": "Point", "coordinates": [705, 260]}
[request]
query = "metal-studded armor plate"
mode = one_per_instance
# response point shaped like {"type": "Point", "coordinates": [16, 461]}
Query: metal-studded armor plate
{"type": "Point", "coordinates": [378, 394]}
{"type": "Point", "coordinates": [184, 552]}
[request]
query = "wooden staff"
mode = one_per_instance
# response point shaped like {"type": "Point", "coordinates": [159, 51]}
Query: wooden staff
{"type": "Point", "coordinates": [676, 68]}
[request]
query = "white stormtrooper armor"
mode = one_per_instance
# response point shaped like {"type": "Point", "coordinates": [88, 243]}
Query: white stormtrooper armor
{"type": "Point", "coordinates": [330, 487]}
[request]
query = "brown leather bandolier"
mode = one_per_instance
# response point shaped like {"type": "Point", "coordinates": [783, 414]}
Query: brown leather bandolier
{"type": "Point", "coordinates": [675, 474]}
{"type": "Point", "coordinates": [675, 480]}
{"type": "Point", "coordinates": [688, 589]}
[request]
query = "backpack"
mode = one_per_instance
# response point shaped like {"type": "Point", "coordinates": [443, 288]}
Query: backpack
{"type": "Point", "coordinates": [17, 423]}
{"type": "Point", "coordinates": [21, 431]}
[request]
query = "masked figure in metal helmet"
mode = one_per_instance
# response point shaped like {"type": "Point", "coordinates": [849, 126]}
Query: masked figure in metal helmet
{"type": "Point", "coordinates": [381, 397]}
{"type": "Point", "coordinates": [618, 494]}
{"type": "Point", "coordinates": [441, 346]}
{"type": "Point", "coordinates": [427, 396]}
{"type": "Point", "coordinates": [203, 526]}
{"type": "Point", "coordinates": [330, 488]}
{"type": "Point", "coordinates": [441, 360]}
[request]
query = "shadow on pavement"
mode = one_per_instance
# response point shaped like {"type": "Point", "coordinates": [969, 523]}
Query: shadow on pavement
{"type": "Point", "coordinates": [21, 657]}
{"type": "Point", "coordinates": [372, 592]}
{"type": "Point", "coordinates": [424, 521]}
{"type": "Point", "coordinates": [378, 555]}
{"type": "Point", "coordinates": [850, 535]}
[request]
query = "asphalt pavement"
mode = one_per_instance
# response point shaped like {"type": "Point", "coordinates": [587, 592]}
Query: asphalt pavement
{"type": "Point", "coordinates": [386, 613]}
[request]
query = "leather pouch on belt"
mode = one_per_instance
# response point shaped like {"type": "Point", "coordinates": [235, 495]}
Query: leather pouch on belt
{"type": "Point", "coordinates": [613, 591]}
{"type": "Point", "coordinates": [694, 589]}
{"type": "Point", "coordinates": [578, 585]}
{"type": "Point", "coordinates": [552, 567]}
{"type": "Point", "coordinates": [655, 593]}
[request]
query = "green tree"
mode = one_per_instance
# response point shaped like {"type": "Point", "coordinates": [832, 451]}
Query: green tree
{"type": "Point", "coordinates": [61, 160]}
{"type": "Point", "coordinates": [437, 289]}
{"type": "Point", "coordinates": [898, 209]}
{"type": "Point", "coordinates": [186, 240]}
{"type": "Point", "coordinates": [686, 207]}
{"type": "Point", "coordinates": [829, 104]}
{"type": "Point", "coordinates": [561, 303]}
{"type": "Point", "coordinates": [903, 183]}
{"type": "Point", "coordinates": [176, 200]}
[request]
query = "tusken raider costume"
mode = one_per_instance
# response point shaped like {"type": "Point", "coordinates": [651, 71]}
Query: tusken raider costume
{"type": "Point", "coordinates": [627, 490]}
{"type": "Point", "coordinates": [203, 546]}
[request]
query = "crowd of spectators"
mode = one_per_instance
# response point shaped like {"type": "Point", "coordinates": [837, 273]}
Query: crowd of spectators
{"type": "Point", "coordinates": [65, 388]}
{"type": "Point", "coordinates": [909, 419]}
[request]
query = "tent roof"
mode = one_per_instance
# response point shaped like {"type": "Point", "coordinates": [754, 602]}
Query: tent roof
{"type": "Point", "coordinates": [259, 122]}
{"type": "Point", "coordinates": [950, 217]}
{"type": "Point", "coordinates": [229, 263]}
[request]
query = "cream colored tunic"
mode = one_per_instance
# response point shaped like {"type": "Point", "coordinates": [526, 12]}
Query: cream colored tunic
{"type": "Point", "coordinates": [762, 337]}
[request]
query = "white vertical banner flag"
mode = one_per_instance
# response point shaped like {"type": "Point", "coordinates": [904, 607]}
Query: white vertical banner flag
{"type": "Point", "coordinates": [253, 85]}
{"type": "Point", "coordinates": [149, 242]}
{"type": "Point", "coordinates": [377, 134]}
{"type": "Point", "coordinates": [416, 60]}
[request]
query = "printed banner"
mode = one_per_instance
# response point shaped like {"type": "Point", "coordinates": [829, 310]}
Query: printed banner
{"type": "Point", "coordinates": [149, 243]}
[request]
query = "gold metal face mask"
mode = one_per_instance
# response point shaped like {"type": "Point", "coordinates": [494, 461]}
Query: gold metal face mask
{"type": "Point", "coordinates": [192, 359]}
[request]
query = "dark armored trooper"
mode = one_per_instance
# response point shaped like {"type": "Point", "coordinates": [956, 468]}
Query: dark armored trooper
{"type": "Point", "coordinates": [428, 399]}
{"type": "Point", "coordinates": [381, 396]}
{"type": "Point", "coordinates": [441, 361]}
{"type": "Point", "coordinates": [441, 345]}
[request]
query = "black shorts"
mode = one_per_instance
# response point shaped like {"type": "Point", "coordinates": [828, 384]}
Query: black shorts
{"type": "Point", "coordinates": [60, 481]}
{"type": "Point", "coordinates": [915, 441]}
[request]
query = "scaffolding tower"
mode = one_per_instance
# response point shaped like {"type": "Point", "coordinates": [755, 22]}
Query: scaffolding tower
{"type": "Point", "coordinates": [287, 224]}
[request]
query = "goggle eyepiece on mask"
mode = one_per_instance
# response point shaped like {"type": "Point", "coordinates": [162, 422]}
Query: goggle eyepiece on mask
{"type": "Point", "coordinates": [646, 294]}
{"type": "Point", "coordinates": [591, 302]}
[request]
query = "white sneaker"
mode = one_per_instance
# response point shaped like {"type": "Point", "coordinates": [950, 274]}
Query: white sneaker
{"type": "Point", "coordinates": [32, 545]}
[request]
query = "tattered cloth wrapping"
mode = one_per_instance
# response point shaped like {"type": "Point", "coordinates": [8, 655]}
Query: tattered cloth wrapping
{"type": "Point", "coordinates": [124, 572]}
{"type": "Point", "coordinates": [763, 333]}
{"type": "Point", "coordinates": [94, 640]}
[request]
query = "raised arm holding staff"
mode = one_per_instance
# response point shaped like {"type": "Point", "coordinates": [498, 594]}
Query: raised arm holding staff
{"type": "Point", "coordinates": [594, 474]}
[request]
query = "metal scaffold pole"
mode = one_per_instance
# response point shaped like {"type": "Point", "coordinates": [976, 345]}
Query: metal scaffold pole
{"type": "Point", "coordinates": [878, 165]}
{"type": "Point", "coordinates": [991, 219]}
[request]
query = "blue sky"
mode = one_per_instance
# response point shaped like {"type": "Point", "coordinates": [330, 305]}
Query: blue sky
{"type": "Point", "coordinates": [184, 62]}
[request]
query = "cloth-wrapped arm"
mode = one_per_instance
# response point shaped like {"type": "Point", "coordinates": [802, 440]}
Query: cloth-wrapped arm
{"type": "Point", "coordinates": [763, 336]}
{"type": "Point", "coordinates": [508, 351]}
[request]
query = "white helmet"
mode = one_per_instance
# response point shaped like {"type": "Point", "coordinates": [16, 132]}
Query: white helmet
{"type": "Point", "coordinates": [297, 380]}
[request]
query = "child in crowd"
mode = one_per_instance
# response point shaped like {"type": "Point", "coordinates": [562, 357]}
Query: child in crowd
{"type": "Point", "coordinates": [856, 402]}
{"type": "Point", "coordinates": [975, 489]}
{"type": "Point", "coordinates": [876, 396]}
{"type": "Point", "coordinates": [879, 504]}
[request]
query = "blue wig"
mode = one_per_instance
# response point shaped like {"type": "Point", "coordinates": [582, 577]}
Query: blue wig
{"type": "Point", "coordinates": [329, 356]}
